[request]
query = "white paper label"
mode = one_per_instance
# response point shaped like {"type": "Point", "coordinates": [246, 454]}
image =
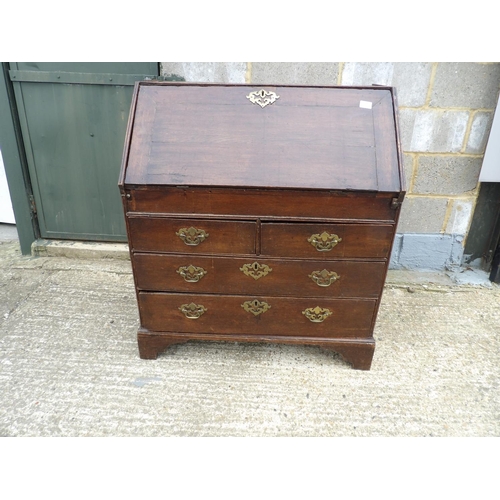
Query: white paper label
{"type": "Point", "coordinates": [365, 104]}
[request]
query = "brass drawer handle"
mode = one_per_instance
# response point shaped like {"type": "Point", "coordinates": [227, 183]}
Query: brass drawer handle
{"type": "Point", "coordinates": [192, 311]}
{"type": "Point", "coordinates": [255, 270]}
{"type": "Point", "coordinates": [324, 242]}
{"type": "Point", "coordinates": [191, 274]}
{"type": "Point", "coordinates": [316, 314]}
{"type": "Point", "coordinates": [256, 307]}
{"type": "Point", "coordinates": [192, 236]}
{"type": "Point", "coordinates": [324, 278]}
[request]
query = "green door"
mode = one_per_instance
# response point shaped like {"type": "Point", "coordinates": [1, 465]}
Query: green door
{"type": "Point", "coordinates": [73, 118]}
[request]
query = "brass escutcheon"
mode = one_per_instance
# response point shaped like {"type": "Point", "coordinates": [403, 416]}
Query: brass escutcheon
{"type": "Point", "coordinates": [192, 311]}
{"type": "Point", "coordinates": [262, 97]}
{"type": "Point", "coordinates": [192, 236]}
{"type": "Point", "coordinates": [324, 278]}
{"type": "Point", "coordinates": [256, 307]}
{"type": "Point", "coordinates": [255, 270]}
{"type": "Point", "coordinates": [324, 242]}
{"type": "Point", "coordinates": [316, 314]}
{"type": "Point", "coordinates": [191, 274]}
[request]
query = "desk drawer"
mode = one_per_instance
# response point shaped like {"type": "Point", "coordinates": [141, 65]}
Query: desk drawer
{"type": "Point", "coordinates": [263, 203]}
{"type": "Point", "coordinates": [229, 314]}
{"type": "Point", "coordinates": [309, 278]}
{"type": "Point", "coordinates": [191, 236]}
{"type": "Point", "coordinates": [326, 241]}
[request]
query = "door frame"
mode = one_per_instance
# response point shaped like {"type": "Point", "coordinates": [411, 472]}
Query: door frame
{"type": "Point", "coordinates": [16, 165]}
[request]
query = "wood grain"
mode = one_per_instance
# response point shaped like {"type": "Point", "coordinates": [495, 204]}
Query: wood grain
{"type": "Point", "coordinates": [311, 138]}
{"type": "Point", "coordinates": [261, 182]}
{"type": "Point", "coordinates": [358, 352]}
{"type": "Point", "coordinates": [156, 272]}
{"type": "Point", "coordinates": [254, 203]}
{"type": "Point", "coordinates": [225, 314]}
{"type": "Point", "coordinates": [159, 235]}
{"type": "Point", "coordinates": [358, 240]}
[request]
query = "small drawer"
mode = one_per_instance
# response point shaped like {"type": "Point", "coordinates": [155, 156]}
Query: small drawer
{"type": "Point", "coordinates": [326, 241]}
{"type": "Point", "coordinates": [256, 315]}
{"type": "Point", "coordinates": [191, 236]}
{"type": "Point", "coordinates": [256, 275]}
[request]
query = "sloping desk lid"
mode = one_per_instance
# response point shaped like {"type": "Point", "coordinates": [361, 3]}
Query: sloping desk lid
{"type": "Point", "coordinates": [310, 137]}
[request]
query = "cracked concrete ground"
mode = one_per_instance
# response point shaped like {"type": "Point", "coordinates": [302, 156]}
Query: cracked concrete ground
{"type": "Point", "coordinates": [69, 364]}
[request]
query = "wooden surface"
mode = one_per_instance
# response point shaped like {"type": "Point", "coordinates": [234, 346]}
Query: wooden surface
{"type": "Point", "coordinates": [261, 182]}
{"type": "Point", "coordinates": [358, 352]}
{"type": "Point", "coordinates": [159, 235]}
{"type": "Point", "coordinates": [358, 240]}
{"type": "Point", "coordinates": [311, 138]}
{"type": "Point", "coordinates": [225, 314]}
{"type": "Point", "coordinates": [157, 272]}
{"type": "Point", "coordinates": [261, 203]}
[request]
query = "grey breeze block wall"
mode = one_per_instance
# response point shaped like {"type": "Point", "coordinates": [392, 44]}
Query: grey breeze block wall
{"type": "Point", "coordinates": [445, 114]}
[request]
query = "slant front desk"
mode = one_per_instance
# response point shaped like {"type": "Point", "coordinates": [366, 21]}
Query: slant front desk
{"type": "Point", "coordinates": [261, 213]}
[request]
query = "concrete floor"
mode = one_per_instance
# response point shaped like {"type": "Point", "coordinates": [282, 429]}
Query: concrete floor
{"type": "Point", "coordinates": [69, 364]}
{"type": "Point", "coordinates": [8, 232]}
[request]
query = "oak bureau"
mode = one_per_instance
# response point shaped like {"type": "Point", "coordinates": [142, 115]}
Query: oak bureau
{"type": "Point", "coordinates": [261, 213]}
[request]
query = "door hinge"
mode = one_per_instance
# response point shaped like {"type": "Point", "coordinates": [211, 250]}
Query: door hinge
{"type": "Point", "coordinates": [32, 204]}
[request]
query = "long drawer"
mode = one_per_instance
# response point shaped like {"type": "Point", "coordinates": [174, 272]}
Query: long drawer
{"type": "Point", "coordinates": [191, 236]}
{"type": "Point", "coordinates": [229, 314]}
{"type": "Point", "coordinates": [308, 278]}
{"type": "Point", "coordinates": [263, 203]}
{"type": "Point", "coordinates": [326, 241]}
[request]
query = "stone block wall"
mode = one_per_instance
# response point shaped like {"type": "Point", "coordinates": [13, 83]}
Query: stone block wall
{"type": "Point", "coordinates": [445, 114]}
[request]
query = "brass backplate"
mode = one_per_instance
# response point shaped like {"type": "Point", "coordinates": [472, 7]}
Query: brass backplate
{"type": "Point", "coordinates": [324, 277]}
{"type": "Point", "coordinates": [191, 274]}
{"type": "Point", "coordinates": [192, 236]}
{"type": "Point", "coordinates": [255, 270]}
{"type": "Point", "coordinates": [256, 307]}
{"type": "Point", "coordinates": [192, 311]}
{"type": "Point", "coordinates": [262, 97]}
{"type": "Point", "coordinates": [316, 314]}
{"type": "Point", "coordinates": [324, 242]}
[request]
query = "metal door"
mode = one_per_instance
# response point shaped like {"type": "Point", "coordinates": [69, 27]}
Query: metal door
{"type": "Point", "coordinates": [73, 118]}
